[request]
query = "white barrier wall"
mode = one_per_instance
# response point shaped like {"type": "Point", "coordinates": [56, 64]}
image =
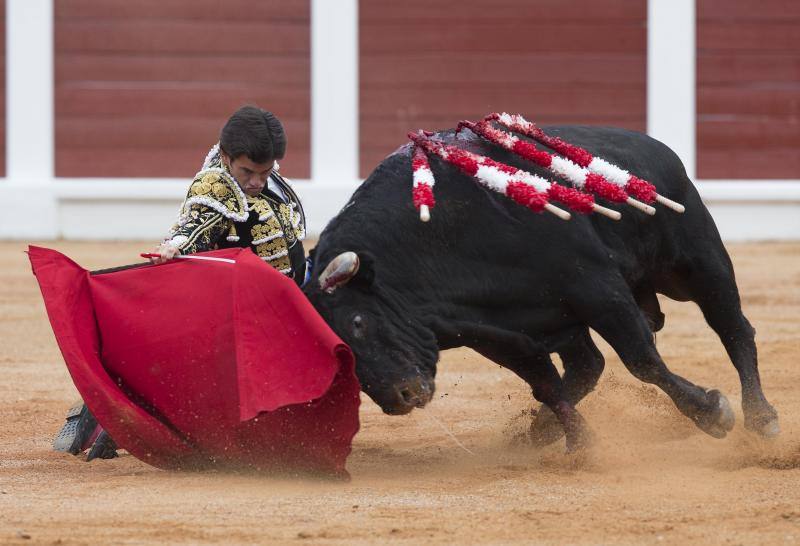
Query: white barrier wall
{"type": "Point", "coordinates": [36, 205]}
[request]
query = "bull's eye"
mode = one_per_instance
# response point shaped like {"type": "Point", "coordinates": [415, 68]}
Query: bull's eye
{"type": "Point", "coordinates": [358, 326]}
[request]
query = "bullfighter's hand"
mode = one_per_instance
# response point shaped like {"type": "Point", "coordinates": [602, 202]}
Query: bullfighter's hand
{"type": "Point", "coordinates": [166, 251]}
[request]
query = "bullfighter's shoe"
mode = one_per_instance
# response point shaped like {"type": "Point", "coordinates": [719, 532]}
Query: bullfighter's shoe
{"type": "Point", "coordinates": [78, 432]}
{"type": "Point", "coordinates": [104, 448]}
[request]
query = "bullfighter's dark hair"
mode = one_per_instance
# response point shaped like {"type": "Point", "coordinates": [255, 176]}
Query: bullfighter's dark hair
{"type": "Point", "coordinates": [255, 133]}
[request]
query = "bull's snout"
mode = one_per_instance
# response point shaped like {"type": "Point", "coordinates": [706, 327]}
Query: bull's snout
{"type": "Point", "coordinates": [410, 394]}
{"type": "Point", "coordinates": [417, 392]}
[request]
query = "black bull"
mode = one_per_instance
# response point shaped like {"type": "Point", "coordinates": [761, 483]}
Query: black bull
{"type": "Point", "coordinates": [516, 286]}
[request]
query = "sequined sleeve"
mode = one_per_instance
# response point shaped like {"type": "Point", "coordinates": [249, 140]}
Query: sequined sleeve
{"type": "Point", "coordinates": [201, 229]}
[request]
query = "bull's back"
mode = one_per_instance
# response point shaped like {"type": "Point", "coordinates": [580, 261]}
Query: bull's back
{"type": "Point", "coordinates": [636, 152]}
{"type": "Point", "coordinates": [647, 244]}
{"type": "Point", "coordinates": [636, 245]}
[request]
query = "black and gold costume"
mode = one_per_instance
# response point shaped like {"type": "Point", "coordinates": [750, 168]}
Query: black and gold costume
{"type": "Point", "coordinates": [218, 214]}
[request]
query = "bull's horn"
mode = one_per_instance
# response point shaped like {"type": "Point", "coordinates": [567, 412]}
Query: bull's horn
{"type": "Point", "coordinates": [341, 269]}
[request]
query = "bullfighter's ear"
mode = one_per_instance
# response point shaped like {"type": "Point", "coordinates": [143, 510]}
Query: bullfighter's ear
{"type": "Point", "coordinates": [366, 271]}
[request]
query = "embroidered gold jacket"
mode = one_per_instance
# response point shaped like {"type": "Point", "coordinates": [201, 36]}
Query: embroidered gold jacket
{"type": "Point", "coordinates": [218, 214]}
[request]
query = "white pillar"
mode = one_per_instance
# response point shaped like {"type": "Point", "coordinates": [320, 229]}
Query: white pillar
{"type": "Point", "coordinates": [671, 91]}
{"type": "Point", "coordinates": [30, 137]}
{"type": "Point", "coordinates": [29, 202]}
{"type": "Point", "coordinates": [334, 91]}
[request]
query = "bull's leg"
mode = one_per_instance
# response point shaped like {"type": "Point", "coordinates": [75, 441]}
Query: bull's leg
{"type": "Point", "coordinates": [526, 358]}
{"type": "Point", "coordinates": [713, 288]}
{"type": "Point", "coordinates": [538, 371]}
{"type": "Point", "coordinates": [623, 326]}
{"type": "Point", "coordinates": [647, 301]}
{"type": "Point", "coordinates": [583, 364]}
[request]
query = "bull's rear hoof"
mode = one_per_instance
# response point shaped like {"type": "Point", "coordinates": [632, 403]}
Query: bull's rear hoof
{"type": "Point", "coordinates": [580, 440]}
{"type": "Point", "coordinates": [721, 419]}
{"type": "Point", "coordinates": [546, 428]}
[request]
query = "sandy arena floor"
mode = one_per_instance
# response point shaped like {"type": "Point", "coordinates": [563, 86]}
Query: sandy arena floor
{"type": "Point", "coordinates": [651, 478]}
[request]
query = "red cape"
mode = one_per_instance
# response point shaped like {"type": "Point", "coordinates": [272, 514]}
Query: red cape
{"type": "Point", "coordinates": [197, 363]}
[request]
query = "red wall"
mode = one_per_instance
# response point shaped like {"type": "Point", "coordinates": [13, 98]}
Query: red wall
{"type": "Point", "coordinates": [144, 86]}
{"type": "Point", "coordinates": [748, 89]}
{"type": "Point", "coordinates": [427, 64]}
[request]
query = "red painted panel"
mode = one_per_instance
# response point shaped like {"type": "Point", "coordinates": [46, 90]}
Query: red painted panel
{"type": "Point", "coordinates": [755, 100]}
{"type": "Point", "coordinates": [208, 10]}
{"type": "Point", "coordinates": [756, 133]}
{"type": "Point", "coordinates": [727, 68]}
{"type": "Point", "coordinates": [429, 64]}
{"type": "Point", "coordinates": [748, 89]}
{"type": "Point", "coordinates": [165, 36]}
{"type": "Point", "coordinates": [178, 99]}
{"type": "Point", "coordinates": [762, 36]}
{"type": "Point", "coordinates": [561, 101]}
{"type": "Point", "coordinates": [540, 11]}
{"type": "Point", "coordinates": [461, 38]}
{"type": "Point", "coordinates": [733, 163]}
{"type": "Point", "coordinates": [262, 70]}
{"type": "Point", "coordinates": [138, 162]}
{"type": "Point", "coordinates": [107, 134]}
{"type": "Point", "coordinates": [494, 69]}
{"type": "Point", "coordinates": [747, 10]}
{"type": "Point", "coordinates": [144, 86]}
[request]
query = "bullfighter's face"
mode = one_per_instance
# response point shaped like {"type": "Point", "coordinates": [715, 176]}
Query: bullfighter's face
{"type": "Point", "coordinates": [251, 176]}
{"type": "Point", "coordinates": [395, 356]}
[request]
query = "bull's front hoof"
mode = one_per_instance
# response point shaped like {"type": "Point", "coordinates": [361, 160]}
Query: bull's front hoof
{"type": "Point", "coordinates": [546, 428]}
{"type": "Point", "coordinates": [720, 420]}
{"type": "Point", "coordinates": [765, 426]}
{"type": "Point", "coordinates": [771, 429]}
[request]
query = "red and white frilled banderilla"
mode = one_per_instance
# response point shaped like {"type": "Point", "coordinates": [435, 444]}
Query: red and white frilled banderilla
{"type": "Point", "coordinates": [587, 173]}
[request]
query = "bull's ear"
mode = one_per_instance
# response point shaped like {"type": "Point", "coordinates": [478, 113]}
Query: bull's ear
{"type": "Point", "coordinates": [366, 271]}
